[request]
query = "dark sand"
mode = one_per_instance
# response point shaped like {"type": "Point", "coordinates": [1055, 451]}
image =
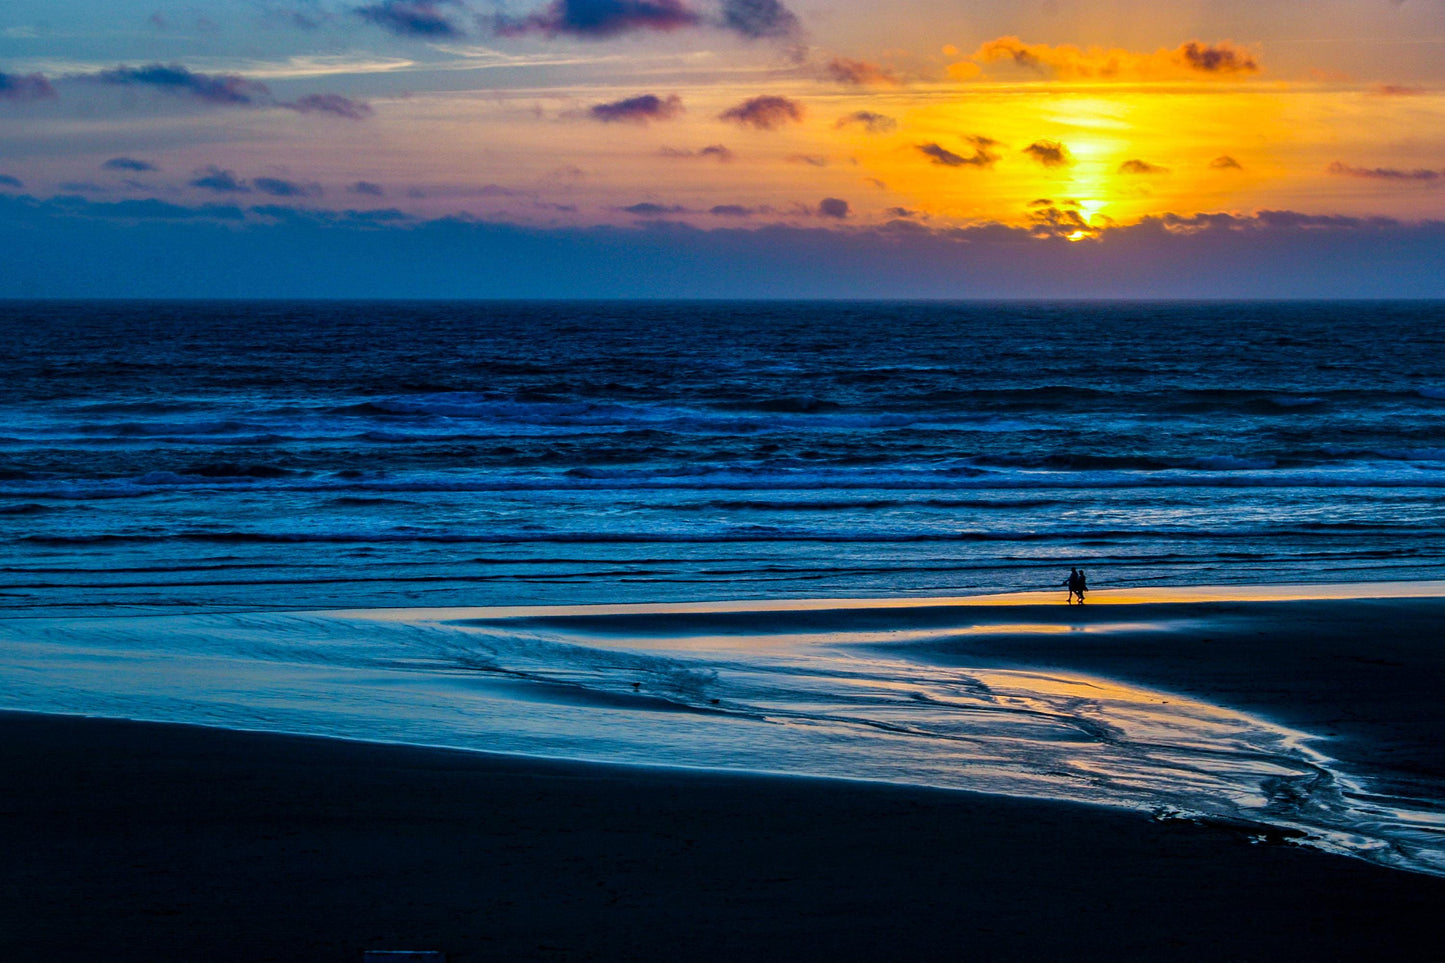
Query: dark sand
{"type": "Point", "coordinates": [128, 841]}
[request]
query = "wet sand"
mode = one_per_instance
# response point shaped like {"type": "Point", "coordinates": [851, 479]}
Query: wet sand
{"type": "Point", "coordinates": [129, 841]}
{"type": "Point", "coordinates": [132, 841]}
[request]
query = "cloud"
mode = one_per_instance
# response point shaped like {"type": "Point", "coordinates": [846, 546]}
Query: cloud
{"type": "Point", "coordinates": [732, 210]}
{"type": "Point", "coordinates": [1065, 222]}
{"type": "Point", "coordinates": [276, 187]}
{"type": "Point", "coordinates": [24, 87]}
{"type": "Point", "coordinates": [7, 181]}
{"type": "Point", "coordinates": [1385, 173]}
{"type": "Point", "coordinates": [1068, 62]}
{"type": "Point", "coordinates": [127, 164]}
{"type": "Point", "coordinates": [310, 18]}
{"type": "Point", "coordinates": [600, 18]}
{"type": "Point", "coordinates": [811, 160]}
{"type": "Point", "coordinates": [759, 19]}
{"type": "Point", "coordinates": [638, 110]}
{"type": "Point", "coordinates": [1397, 90]}
{"type": "Point", "coordinates": [943, 157]}
{"type": "Point", "coordinates": [1050, 153]}
{"type": "Point", "coordinates": [834, 207]}
{"type": "Point", "coordinates": [225, 90]}
{"type": "Point", "coordinates": [904, 212]}
{"type": "Point", "coordinates": [648, 209]}
{"type": "Point", "coordinates": [221, 181]}
{"type": "Point", "coordinates": [412, 18]}
{"type": "Point", "coordinates": [1226, 163]}
{"type": "Point", "coordinates": [764, 113]}
{"type": "Point", "coordinates": [717, 152]}
{"type": "Point", "coordinates": [872, 122]}
{"type": "Point", "coordinates": [330, 104]}
{"type": "Point", "coordinates": [1135, 166]}
{"type": "Point", "coordinates": [366, 188]}
{"type": "Point", "coordinates": [860, 73]}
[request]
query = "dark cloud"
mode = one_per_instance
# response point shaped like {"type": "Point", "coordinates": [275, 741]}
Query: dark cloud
{"type": "Point", "coordinates": [759, 19]}
{"type": "Point", "coordinates": [942, 156]}
{"type": "Point", "coordinates": [1050, 153]}
{"type": "Point", "coordinates": [24, 87]}
{"type": "Point", "coordinates": [1064, 222]}
{"type": "Point", "coordinates": [367, 188]}
{"type": "Point", "coordinates": [220, 181]}
{"type": "Point", "coordinates": [764, 113]}
{"type": "Point", "coordinates": [276, 187]}
{"type": "Point", "coordinates": [330, 104]}
{"type": "Point", "coordinates": [874, 123]}
{"type": "Point", "coordinates": [1136, 166]}
{"type": "Point", "coordinates": [638, 110]}
{"type": "Point", "coordinates": [860, 73]}
{"type": "Point", "coordinates": [83, 187]}
{"type": "Point", "coordinates": [902, 212]}
{"type": "Point", "coordinates": [715, 151]}
{"type": "Point", "coordinates": [1226, 163]}
{"type": "Point", "coordinates": [600, 18]}
{"type": "Point", "coordinates": [412, 18]}
{"type": "Point", "coordinates": [732, 210]}
{"type": "Point", "coordinates": [811, 160]}
{"type": "Point", "coordinates": [127, 164]}
{"type": "Point", "coordinates": [1223, 58]}
{"type": "Point", "coordinates": [1385, 173]}
{"type": "Point", "coordinates": [648, 209]}
{"type": "Point", "coordinates": [834, 207]}
{"type": "Point", "coordinates": [7, 181]}
{"type": "Point", "coordinates": [226, 89]}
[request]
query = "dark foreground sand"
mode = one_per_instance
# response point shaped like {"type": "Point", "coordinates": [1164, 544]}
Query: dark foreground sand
{"type": "Point", "coordinates": [126, 841]}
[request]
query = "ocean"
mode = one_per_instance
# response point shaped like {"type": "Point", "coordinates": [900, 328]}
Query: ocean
{"type": "Point", "coordinates": [156, 456]}
{"type": "Point", "coordinates": [387, 520]}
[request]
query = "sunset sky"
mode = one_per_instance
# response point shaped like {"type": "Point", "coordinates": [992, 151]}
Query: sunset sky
{"type": "Point", "coordinates": [599, 132]}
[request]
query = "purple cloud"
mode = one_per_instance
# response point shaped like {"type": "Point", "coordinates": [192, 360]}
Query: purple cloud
{"type": "Point", "coordinates": [7, 181]}
{"type": "Point", "coordinates": [24, 87]}
{"type": "Point", "coordinates": [1385, 173]}
{"type": "Point", "coordinates": [600, 18]}
{"type": "Point", "coordinates": [943, 157]}
{"type": "Point", "coordinates": [638, 110]}
{"type": "Point", "coordinates": [648, 209]}
{"type": "Point", "coordinates": [758, 19]}
{"type": "Point", "coordinates": [226, 89]}
{"type": "Point", "coordinates": [834, 207]}
{"type": "Point", "coordinates": [276, 187]}
{"type": "Point", "coordinates": [872, 122]}
{"type": "Point", "coordinates": [1217, 58]}
{"type": "Point", "coordinates": [412, 18]}
{"type": "Point", "coordinates": [717, 152]}
{"type": "Point", "coordinates": [367, 188]}
{"type": "Point", "coordinates": [127, 164]}
{"type": "Point", "coordinates": [1226, 163]}
{"type": "Point", "coordinates": [764, 113]}
{"type": "Point", "coordinates": [1135, 166]}
{"type": "Point", "coordinates": [732, 210]}
{"type": "Point", "coordinates": [1050, 153]}
{"type": "Point", "coordinates": [330, 104]}
{"type": "Point", "coordinates": [221, 181]}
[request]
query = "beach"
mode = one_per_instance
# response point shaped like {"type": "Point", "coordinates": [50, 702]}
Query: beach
{"type": "Point", "coordinates": [166, 841]}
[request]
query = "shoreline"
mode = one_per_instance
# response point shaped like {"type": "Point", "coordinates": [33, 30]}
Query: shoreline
{"type": "Point", "coordinates": [149, 841]}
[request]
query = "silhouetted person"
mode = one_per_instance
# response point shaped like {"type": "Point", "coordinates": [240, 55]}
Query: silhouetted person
{"type": "Point", "coordinates": [1082, 587]}
{"type": "Point", "coordinates": [1074, 581]}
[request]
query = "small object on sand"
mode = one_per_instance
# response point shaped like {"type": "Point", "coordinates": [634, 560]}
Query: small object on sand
{"type": "Point", "coordinates": [403, 956]}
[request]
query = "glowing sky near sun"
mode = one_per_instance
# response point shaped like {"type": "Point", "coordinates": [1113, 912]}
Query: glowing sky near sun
{"type": "Point", "coordinates": [1062, 118]}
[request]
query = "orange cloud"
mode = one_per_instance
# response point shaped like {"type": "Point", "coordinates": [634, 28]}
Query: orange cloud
{"type": "Point", "coordinates": [1067, 62]}
{"type": "Point", "coordinates": [860, 73]}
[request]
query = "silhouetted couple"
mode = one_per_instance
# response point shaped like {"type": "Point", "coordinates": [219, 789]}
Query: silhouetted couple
{"type": "Point", "coordinates": [1077, 584]}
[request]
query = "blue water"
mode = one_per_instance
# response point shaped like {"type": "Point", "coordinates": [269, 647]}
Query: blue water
{"type": "Point", "coordinates": [190, 495]}
{"type": "Point", "coordinates": [155, 456]}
